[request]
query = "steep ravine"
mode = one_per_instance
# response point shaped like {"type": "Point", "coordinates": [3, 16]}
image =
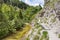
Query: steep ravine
{"type": "Point", "coordinates": [47, 21]}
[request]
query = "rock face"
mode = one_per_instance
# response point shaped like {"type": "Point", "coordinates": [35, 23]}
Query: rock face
{"type": "Point", "coordinates": [49, 19]}
{"type": "Point", "coordinates": [52, 13]}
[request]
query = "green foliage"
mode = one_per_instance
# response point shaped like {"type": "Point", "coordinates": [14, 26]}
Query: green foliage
{"type": "Point", "coordinates": [45, 34]}
{"type": "Point", "coordinates": [30, 12]}
{"type": "Point", "coordinates": [3, 29]}
{"type": "Point", "coordinates": [12, 18]}
{"type": "Point", "coordinates": [8, 16]}
{"type": "Point", "coordinates": [16, 3]}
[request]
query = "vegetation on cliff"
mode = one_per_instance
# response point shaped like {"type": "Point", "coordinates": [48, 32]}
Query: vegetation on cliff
{"type": "Point", "coordinates": [14, 14]}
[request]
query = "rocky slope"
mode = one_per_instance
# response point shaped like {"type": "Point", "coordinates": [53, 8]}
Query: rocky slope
{"type": "Point", "coordinates": [46, 25]}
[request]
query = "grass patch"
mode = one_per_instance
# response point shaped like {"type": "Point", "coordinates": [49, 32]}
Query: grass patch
{"type": "Point", "coordinates": [45, 34]}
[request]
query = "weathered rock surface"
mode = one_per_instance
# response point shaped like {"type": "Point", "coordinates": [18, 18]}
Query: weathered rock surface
{"type": "Point", "coordinates": [49, 19]}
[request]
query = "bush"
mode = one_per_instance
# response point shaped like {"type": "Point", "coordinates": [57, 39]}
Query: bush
{"type": "Point", "coordinates": [13, 18]}
{"type": "Point", "coordinates": [8, 16]}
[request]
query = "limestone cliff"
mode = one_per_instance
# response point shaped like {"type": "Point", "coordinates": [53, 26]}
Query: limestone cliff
{"type": "Point", "coordinates": [48, 20]}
